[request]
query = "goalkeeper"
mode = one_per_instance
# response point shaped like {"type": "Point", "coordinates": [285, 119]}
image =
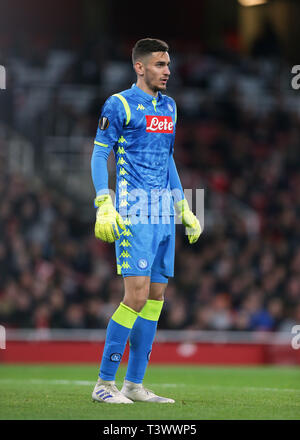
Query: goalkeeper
{"type": "Point", "coordinates": [139, 125]}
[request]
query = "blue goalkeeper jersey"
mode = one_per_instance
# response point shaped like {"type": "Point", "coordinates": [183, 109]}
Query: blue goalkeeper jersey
{"type": "Point", "coordinates": [141, 131]}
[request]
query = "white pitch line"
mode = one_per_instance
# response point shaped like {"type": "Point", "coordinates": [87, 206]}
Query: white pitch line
{"type": "Point", "coordinates": [50, 381]}
{"type": "Point", "coordinates": [163, 385]}
{"type": "Point", "coordinates": [72, 382]}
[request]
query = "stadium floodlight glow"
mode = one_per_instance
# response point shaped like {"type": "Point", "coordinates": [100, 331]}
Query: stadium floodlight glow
{"type": "Point", "coordinates": [252, 2]}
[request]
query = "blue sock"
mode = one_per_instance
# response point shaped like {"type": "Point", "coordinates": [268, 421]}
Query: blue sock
{"type": "Point", "coordinates": [117, 333]}
{"type": "Point", "coordinates": [141, 339]}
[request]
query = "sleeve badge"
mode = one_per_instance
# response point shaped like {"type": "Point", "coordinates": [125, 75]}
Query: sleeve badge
{"type": "Point", "coordinates": [103, 123]}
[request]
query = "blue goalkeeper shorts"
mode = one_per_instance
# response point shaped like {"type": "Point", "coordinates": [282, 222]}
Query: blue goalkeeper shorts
{"type": "Point", "coordinates": [147, 249]}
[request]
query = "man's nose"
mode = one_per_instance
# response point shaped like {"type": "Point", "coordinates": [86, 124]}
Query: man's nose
{"type": "Point", "coordinates": [167, 71]}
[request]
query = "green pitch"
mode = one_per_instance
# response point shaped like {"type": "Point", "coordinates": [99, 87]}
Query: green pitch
{"type": "Point", "coordinates": [64, 392]}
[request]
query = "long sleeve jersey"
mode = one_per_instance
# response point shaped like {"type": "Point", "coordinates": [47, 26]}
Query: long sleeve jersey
{"type": "Point", "coordinates": [141, 131]}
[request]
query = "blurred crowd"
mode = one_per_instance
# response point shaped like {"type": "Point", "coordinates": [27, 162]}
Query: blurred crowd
{"type": "Point", "coordinates": [238, 137]}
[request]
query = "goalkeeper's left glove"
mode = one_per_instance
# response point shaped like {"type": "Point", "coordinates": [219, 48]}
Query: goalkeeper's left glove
{"type": "Point", "coordinates": [107, 220]}
{"type": "Point", "coordinates": [189, 220]}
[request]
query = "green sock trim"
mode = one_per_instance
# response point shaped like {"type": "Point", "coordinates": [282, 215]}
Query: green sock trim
{"type": "Point", "coordinates": [125, 316]}
{"type": "Point", "coordinates": [151, 310]}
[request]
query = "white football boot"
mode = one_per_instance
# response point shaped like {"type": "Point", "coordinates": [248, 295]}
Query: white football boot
{"type": "Point", "coordinates": [137, 393]}
{"type": "Point", "coordinates": [107, 392]}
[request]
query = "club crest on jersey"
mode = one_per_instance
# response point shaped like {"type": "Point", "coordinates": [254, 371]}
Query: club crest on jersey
{"type": "Point", "coordinates": [103, 123]}
{"type": "Point", "coordinates": [142, 263]}
{"type": "Point", "coordinates": [159, 124]}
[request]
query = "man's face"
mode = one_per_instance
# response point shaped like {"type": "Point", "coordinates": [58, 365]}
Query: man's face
{"type": "Point", "coordinates": [156, 71]}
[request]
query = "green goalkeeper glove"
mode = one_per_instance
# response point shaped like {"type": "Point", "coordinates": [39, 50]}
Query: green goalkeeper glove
{"type": "Point", "coordinates": [107, 220]}
{"type": "Point", "coordinates": [189, 220]}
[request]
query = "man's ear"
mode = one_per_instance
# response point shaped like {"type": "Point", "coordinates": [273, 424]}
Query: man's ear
{"type": "Point", "coordinates": [139, 68]}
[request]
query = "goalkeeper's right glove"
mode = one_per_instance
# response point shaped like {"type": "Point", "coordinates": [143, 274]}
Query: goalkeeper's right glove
{"type": "Point", "coordinates": [107, 220]}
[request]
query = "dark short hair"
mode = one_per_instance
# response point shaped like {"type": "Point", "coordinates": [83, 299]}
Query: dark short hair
{"type": "Point", "coordinates": [146, 46]}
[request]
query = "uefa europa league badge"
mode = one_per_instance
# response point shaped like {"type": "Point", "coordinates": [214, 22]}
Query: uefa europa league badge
{"type": "Point", "coordinates": [103, 123]}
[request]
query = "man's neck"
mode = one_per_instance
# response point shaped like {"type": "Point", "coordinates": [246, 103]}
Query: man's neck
{"type": "Point", "coordinates": [143, 86]}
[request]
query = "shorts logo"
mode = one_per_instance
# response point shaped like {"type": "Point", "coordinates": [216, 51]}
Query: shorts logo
{"type": "Point", "coordinates": [148, 355]}
{"type": "Point", "coordinates": [115, 357]}
{"type": "Point", "coordinates": [159, 124]}
{"type": "Point", "coordinates": [142, 263]}
{"type": "Point", "coordinates": [103, 123]}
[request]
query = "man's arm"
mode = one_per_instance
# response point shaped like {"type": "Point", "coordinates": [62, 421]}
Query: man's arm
{"type": "Point", "coordinates": [189, 220]}
{"type": "Point", "coordinates": [175, 183]}
{"type": "Point", "coordinates": [99, 169]}
{"type": "Point", "coordinates": [108, 132]}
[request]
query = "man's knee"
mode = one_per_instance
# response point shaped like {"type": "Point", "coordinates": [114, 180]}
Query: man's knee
{"type": "Point", "coordinates": [135, 300]}
{"type": "Point", "coordinates": [136, 292]}
{"type": "Point", "coordinates": [157, 291]}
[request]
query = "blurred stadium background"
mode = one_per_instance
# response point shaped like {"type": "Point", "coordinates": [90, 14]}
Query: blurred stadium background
{"type": "Point", "coordinates": [236, 293]}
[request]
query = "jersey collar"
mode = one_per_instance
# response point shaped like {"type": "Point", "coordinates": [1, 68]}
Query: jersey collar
{"type": "Point", "coordinates": [143, 94]}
